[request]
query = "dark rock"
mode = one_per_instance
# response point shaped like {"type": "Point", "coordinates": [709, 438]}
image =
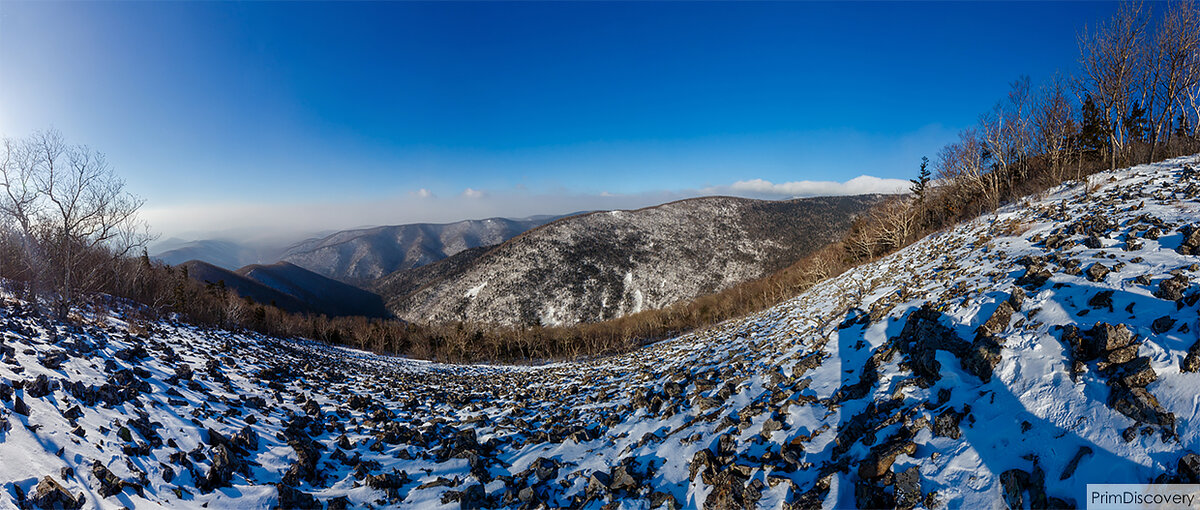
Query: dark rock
{"type": "Point", "coordinates": [1016, 298]}
{"type": "Point", "coordinates": [1106, 337]}
{"type": "Point", "coordinates": [1191, 362]}
{"type": "Point", "coordinates": [183, 371]}
{"type": "Point", "coordinates": [19, 407]}
{"type": "Point", "coordinates": [1092, 242]}
{"type": "Point", "coordinates": [50, 494]}
{"type": "Point", "coordinates": [1140, 405]}
{"type": "Point", "coordinates": [39, 387]}
{"type": "Point", "coordinates": [1189, 468]}
{"type": "Point", "coordinates": [621, 480]}
{"type": "Point", "coordinates": [246, 439]}
{"type": "Point", "coordinates": [53, 360]}
{"type": "Point", "coordinates": [879, 462]}
{"type": "Point", "coordinates": [1191, 240]}
{"type": "Point", "coordinates": [220, 474]}
{"type": "Point", "coordinates": [110, 485]}
{"type": "Point", "coordinates": [1172, 289]}
{"type": "Point", "coordinates": [1137, 373]}
{"type": "Point", "coordinates": [728, 492]}
{"type": "Point", "coordinates": [946, 424]}
{"type": "Point", "coordinates": [908, 488]}
{"type": "Point", "coordinates": [290, 497]}
{"type": "Point", "coordinates": [998, 322]}
{"type": "Point", "coordinates": [1102, 299]}
{"type": "Point", "coordinates": [338, 503]}
{"type": "Point", "coordinates": [1074, 463]}
{"type": "Point", "coordinates": [1034, 277]}
{"type": "Point", "coordinates": [1162, 325]}
{"type": "Point", "coordinates": [1015, 483]}
{"type": "Point", "coordinates": [1096, 272]}
{"type": "Point", "coordinates": [1122, 355]}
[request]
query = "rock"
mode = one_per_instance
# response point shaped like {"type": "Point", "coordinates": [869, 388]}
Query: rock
{"type": "Point", "coordinates": [1106, 337]}
{"type": "Point", "coordinates": [53, 360]}
{"type": "Point", "coordinates": [1035, 276]}
{"type": "Point", "coordinates": [1172, 289]}
{"type": "Point", "coordinates": [1162, 325]}
{"type": "Point", "coordinates": [1096, 272]}
{"type": "Point", "coordinates": [879, 461]}
{"type": "Point", "coordinates": [545, 469]}
{"type": "Point", "coordinates": [1191, 240]}
{"type": "Point", "coordinates": [224, 464]}
{"type": "Point", "coordinates": [1122, 355]}
{"type": "Point", "coordinates": [1015, 483]}
{"type": "Point", "coordinates": [728, 492]}
{"type": "Point", "coordinates": [908, 488]}
{"type": "Point", "coordinates": [50, 494]}
{"type": "Point", "coordinates": [290, 497]}
{"type": "Point", "coordinates": [946, 424]}
{"type": "Point", "coordinates": [183, 371]}
{"type": "Point", "coordinates": [1092, 242]}
{"type": "Point", "coordinates": [998, 322]}
{"type": "Point", "coordinates": [1191, 362]}
{"type": "Point", "coordinates": [1016, 298]}
{"type": "Point", "coordinates": [598, 482]}
{"type": "Point", "coordinates": [39, 387]}
{"type": "Point", "coordinates": [110, 485]}
{"type": "Point", "coordinates": [246, 439]}
{"type": "Point", "coordinates": [1137, 373]}
{"type": "Point", "coordinates": [1138, 404]}
{"type": "Point", "coordinates": [19, 407]}
{"type": "Point", "coordinates": [1074, 463]}
{"type": "Point", "coordinates": [659, 499]}
{"type": "Point", "coordinates": [1102, 299]}
{"type": "Point", "coordinates": [621, 480]}
{"type": "Point", "coordinates": [1189, 468]}
{"type": "Point", "coordinates": [338, 503]}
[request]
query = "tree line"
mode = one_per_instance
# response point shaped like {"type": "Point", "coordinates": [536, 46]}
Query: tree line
{"type": "Point", "coordinates": [70, 235]}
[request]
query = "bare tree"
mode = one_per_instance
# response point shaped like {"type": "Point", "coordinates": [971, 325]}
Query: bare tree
{"type": "Point", "coordinates": [1054, 125]}
{"type": "Point", "coordinates": [1110, 60]}
{"type": "Point", "coordinates": [1171, 68]}
{"type": "Point", "coordinates": [73, 214]}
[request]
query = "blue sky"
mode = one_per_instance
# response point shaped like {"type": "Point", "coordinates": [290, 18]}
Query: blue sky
{"type": "Point", "coordinates": [330, 115]}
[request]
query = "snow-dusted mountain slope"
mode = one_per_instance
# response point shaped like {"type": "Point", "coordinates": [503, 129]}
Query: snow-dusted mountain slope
{"type": "Point", "coordinates": [361, 255]}
{"type": "Point", "coordinates": [1011, 360]}
{"type": "Point", "coordinates": [608, 264]}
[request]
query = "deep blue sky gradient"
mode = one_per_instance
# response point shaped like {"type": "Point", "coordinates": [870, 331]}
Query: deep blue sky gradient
{"type": "Point", "coordinates": [286, 102]}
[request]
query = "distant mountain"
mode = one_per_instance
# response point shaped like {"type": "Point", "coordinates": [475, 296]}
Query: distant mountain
{"type": "Point", "coordinates": [321, 294]}
{"type": "Point", "coordinates": [226, 254]}
{"type": "Point", "coordinates": [290, 288]}
{"type": "Point", "coordinates": [603, 265]}
{"type": "Point", "coordinates": [362, 255]}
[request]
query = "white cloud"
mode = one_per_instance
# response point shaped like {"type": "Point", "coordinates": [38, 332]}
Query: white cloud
{"type": "Point", "coordinates": [421, 193]}
{"type": "Point", "coordinates": [860, 185]}
{"type": "Point", "coordinates": [472, 193]}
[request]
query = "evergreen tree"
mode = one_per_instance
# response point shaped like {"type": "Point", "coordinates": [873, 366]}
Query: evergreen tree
{"type": "Point", "coordinates": [1182, 129]}
{"type": "Point", "coordinates": [922, 181]}
{"type": "Point", "coordinates": [1135, 123]}
{"type": "Point", "coordinates": [1093, 132]}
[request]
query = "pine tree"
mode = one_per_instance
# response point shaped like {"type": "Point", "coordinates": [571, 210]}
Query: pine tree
{"type": "Point", "coordinates": [920, 184]}
{"type": "Point", "coordinates": [1135, 123]}
{"type": "Point", "coordinates": [1093, 133]}
{"type": "Point", "coordinates": [1182, 129]}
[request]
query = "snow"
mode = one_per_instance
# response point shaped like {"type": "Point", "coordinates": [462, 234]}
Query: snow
{"type": "Point", "coordinates": [474, 291]}
{"type": "Point", "coordinates": [791, 361]}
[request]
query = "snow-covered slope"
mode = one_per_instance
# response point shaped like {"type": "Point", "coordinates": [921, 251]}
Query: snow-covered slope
{"type": "Point", "coordinates": [361, 255]}
{"type": "Point", "coordinates": [603, 265]}
{"type": "Point", "coordinates": [924, 379]}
